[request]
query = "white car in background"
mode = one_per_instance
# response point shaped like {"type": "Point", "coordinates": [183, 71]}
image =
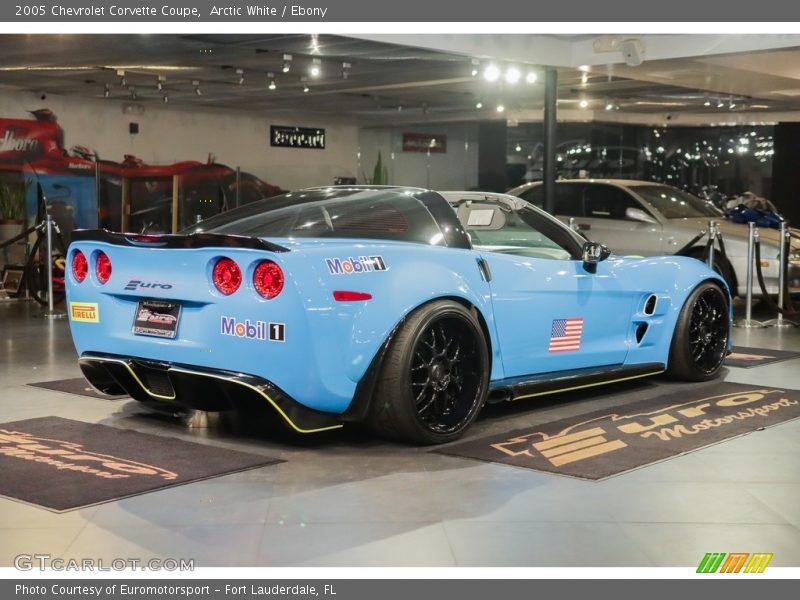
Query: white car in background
{"type": "Point", "coordinates": [646, 218]}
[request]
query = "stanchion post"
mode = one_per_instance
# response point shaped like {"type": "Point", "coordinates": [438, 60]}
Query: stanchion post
{"type": "Point", "coordinates": [748, 322]}
{"type": "Point", "coordinates": [779, 320]}
{"type": "Point", "coordinates": [712, 239]}
{"type": "Point", "coordinates": [572, 224]}
{"type": "Point", "coordinates": [50, 313]}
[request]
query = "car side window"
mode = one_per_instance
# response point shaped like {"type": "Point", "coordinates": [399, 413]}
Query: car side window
{"type": "Point", "coordinates": [568, 199]}
{"type": "Point", "coordinates": [607, 202]}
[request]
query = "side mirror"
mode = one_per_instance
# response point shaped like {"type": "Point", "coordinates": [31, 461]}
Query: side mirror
{"type": "Point", "coordinates": [593, 253]}
{"type": "Point", "coordinates": [637, 214]}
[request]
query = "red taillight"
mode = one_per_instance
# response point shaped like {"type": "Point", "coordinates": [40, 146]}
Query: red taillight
{"type": "Point", "coordinates": [227, 276]}
{"type": "Point", "coordinates": [268, 279]}
{"type": "Point", "coordinates": [346, 296]}
{"type": "Point", "coordinates": [80, 266]}
{"type": "Point", "coordinates": [102, 267]}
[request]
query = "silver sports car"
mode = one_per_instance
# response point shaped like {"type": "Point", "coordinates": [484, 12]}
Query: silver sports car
{"type": "Point", "coordinates": [647, 218]}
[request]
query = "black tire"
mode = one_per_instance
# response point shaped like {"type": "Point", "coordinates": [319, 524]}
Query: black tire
{"type": "Point", "coordinates": [700, 340]}
{"type": "Point", "coordinates": [36, 271]}
{"type": "Point", "coordinates": [434, 378]}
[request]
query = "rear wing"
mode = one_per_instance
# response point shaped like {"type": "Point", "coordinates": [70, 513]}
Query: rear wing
{"type": "Point", "coordinates": [175, 240]}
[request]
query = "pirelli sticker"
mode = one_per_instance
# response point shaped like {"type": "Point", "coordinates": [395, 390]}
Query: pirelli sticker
{"type": "Point", "coordinates": [84, 312]}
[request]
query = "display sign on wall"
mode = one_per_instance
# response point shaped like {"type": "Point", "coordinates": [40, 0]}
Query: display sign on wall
{"type": "Point", "coordinates": [423, 142]}
{"type": "Point", "coordinates": [297, 137]}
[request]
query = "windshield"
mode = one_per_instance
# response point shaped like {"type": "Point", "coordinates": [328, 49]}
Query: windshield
{"type": "Point", "coordinates": [350, 213]}
{"type": "Point", "coordinates": [676, 204]}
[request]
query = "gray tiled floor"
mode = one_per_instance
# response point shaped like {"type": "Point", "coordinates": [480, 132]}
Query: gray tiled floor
{"type": "Point", "coordinates": [345, 499]}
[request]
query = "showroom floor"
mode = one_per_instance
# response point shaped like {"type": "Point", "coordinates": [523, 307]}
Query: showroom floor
{"type": "Point", "coordinates": [348, 500]}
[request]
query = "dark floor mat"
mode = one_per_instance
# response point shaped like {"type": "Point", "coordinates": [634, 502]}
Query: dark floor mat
{"type": "Point", "coordinates": [61, 464]}
{"type": "Point", "coordinates": [747, 358]}
{"type": "Point", "coordinates": [78, 386]}
{"type": "Point", "coordinates": [608, 442]}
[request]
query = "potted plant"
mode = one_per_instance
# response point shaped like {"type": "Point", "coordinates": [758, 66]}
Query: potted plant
{"type": "Point", "coordinates": [12, 208]}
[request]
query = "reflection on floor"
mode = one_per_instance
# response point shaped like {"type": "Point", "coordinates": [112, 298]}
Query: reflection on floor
{"type": "Point", "coordinates": [346, 499]}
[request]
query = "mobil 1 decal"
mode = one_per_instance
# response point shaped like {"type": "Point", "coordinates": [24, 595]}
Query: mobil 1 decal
{"type": "Point", "coordinates": [355, 264]}
{"type": "Point", "coordinates": [252, 330]}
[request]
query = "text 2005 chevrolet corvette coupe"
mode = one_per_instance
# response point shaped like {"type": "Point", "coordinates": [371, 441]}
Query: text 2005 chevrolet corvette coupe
{"type": "Point", "coordinates": [403, 309]}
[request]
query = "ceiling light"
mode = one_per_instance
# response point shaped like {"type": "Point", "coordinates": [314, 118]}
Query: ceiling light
{"type": "Point", "coordinates": [479, 105]}
{"type": "Point", "coordinates": [720, 103]}
{"type": "Point", "coordinates": [196, 84]}
{"type": "Point", "coordinates": [584, 68]}
{"type": "Point", "coordinates": [609, 106]}
{"type": "Point", "coordinates": [240, 73]}
{"type": "Point", "coordinates": [531, 77]}
{"type": "Point", "coordinates": [107, 91]}
{"type": "Point", "coordinates": [500, 108]}
{"type": "Point", "coordinates": [316, 67]}
{"type": "Point", "coordinates": [475, 67]}
{"type": "Point", "coordinates": [305, 88]}
{"type": "Point", "coordinates": [491, 73]}
{"type": "Point", "coordinates": [346, 70]}
{"type": "Point", "coordinates": [165, 98]}
{"type": "Point", "coordinates": [512, 75]}
{"type": "Point", "coordinates": [287, 63]}
{"type": "Point", "coordinates": [707, 103]}
{"type": "Point", "coordinates": [272, 85]}
{"type": "Point", "coordinates": [583, 103]}
{"type": "Point", "coordinates": [518, 148]}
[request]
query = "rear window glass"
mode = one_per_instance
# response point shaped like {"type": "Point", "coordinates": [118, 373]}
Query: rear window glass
{"type": "Point", "coordinates": [369, 214]}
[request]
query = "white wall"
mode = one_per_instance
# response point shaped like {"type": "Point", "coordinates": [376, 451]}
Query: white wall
{"type": "Point", "coordinates": [169, 133]}
{"type": "Point", "coordinates": [457, 169]}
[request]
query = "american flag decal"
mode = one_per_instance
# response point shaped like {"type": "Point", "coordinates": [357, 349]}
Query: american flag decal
{"type": "Point", "coordinates": [565, 335]}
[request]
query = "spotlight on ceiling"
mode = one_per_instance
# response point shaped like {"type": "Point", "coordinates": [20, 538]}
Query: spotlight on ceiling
{"type": "Point", "coordinates": [346, 66]}
{"type": "Point", "coordinates": [531, 77]}
{"type": "Point", "coordinates": [272, 85]}
{"type": "Point", "coordinates": [316, 67]}
{"type": "Point", "coordinates": [107, 91]}
{"type": "Point", "coordinates": [707, 103]}
{"type": "Point", "coordinates": [479, 105]}
{"type": "Point", "coordinates": [475, 68]}
{"type": "Point", "coordinates": [196, 85]}
{"type": "Point", "coordinates": [165, 98]}
{"type": "Point", "coordinates": [720, 103]}
{"type": "Point", "coordinates": [305, 88]}
{"type": "Point", "coordinates": [160, 82]}
{"type": "Point", "coordinates": [240, 73]}
{"type": "Point", "coordinates": [287, 63]}
{"type": "Point", "coordinates": [583, 103]}
{"type": "Point", "coordinates": [500, 108]}
{"type": "Point", "coordinates": [491, 73]}
{"type": "Point", "coordinates": [518, 148]}
{"type": "Point", "coordinates": [513, 75]}
{"type": "Point", "coordinates": [122, 81]}
{"type": "Point", "coordinates": [611, 105]}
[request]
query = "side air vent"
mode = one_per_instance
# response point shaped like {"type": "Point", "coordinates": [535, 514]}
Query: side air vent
{"type": "Point", "coordinates": [641, 329]}
{"type": "Point", "coordinates": [650, 304]}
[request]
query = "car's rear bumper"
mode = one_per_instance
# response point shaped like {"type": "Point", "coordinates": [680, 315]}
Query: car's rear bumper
{"type": "Point", "coordinates": [197, 387]}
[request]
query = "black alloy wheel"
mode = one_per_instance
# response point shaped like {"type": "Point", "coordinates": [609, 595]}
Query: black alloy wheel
{"type": "Point", "coordinates": [435, 376]}
{"type": "Point", "coordinates": [700, 342]}
{"type": "Point", "coordinates": [708, 330]}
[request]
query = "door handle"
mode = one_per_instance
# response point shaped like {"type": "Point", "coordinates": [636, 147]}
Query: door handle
{"type": "Point", "coordinates": [584, 226]}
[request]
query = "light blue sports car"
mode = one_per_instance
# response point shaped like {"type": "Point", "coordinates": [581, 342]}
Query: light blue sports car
{"type": "Point", "coordinates": [400, 308]}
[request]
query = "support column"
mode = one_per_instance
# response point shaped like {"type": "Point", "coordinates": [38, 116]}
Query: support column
{"type": "Point", "coordinates": [492, 156]}
{"type": "Point", "coordinates": [549, 163]}
{"type": "Point", "coordinates": [785, 172]}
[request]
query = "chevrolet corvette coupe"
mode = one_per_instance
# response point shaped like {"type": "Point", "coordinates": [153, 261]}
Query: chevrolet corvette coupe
{"type": "Point", "coordinates": [402, 309]}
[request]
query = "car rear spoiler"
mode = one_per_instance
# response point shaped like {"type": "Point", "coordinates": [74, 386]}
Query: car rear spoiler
{"type": "Point", "coordinates": [175, 240]}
